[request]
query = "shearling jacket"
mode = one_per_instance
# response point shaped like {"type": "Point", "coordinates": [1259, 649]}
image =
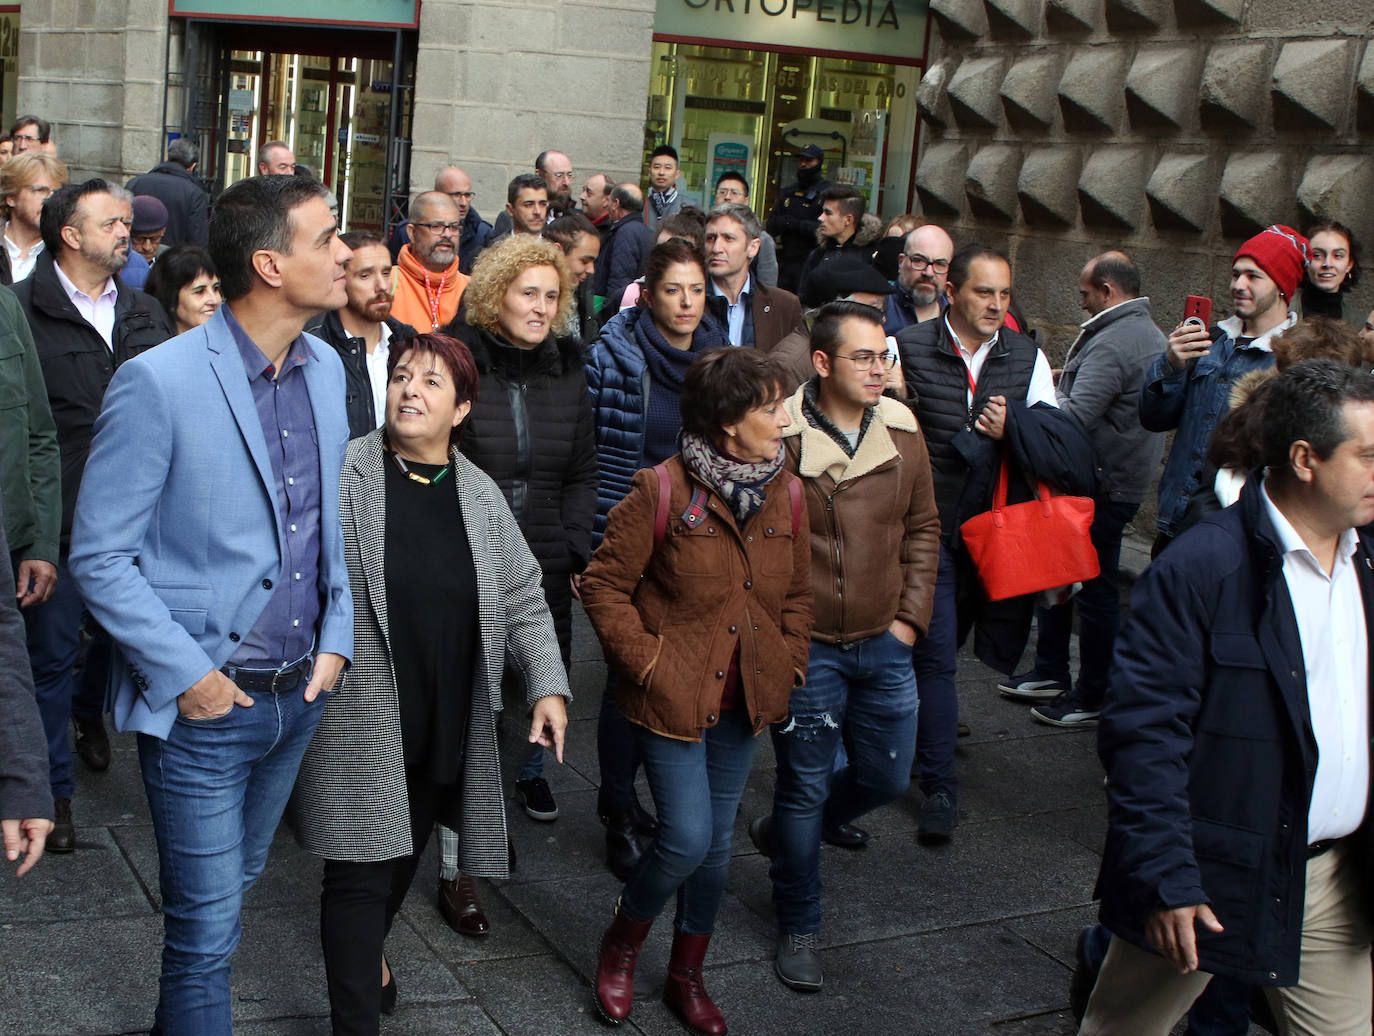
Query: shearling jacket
{"type": "Point", "coordinates": [669, 619]}
{"type": "Point", "coordinates": [867, 512]}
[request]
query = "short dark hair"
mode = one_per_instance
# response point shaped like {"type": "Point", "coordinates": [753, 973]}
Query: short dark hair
{"type": "Point", "coordinates": [174, 269]}
{"type": "Point", "coordinates": [60, 209]}
{"type": "Point", "coordinates": [829, 321]}
{"type": "Point", "coordinates": [628, 198]}
{"type": "Point", "coordinates": [43, 126]}
{"type": "Point", "coordinates": [664, 149]}
{"type": "Point", "coordinates": [567, 228]}
{"type": "Point", "coordinates": [456, 358]}
{"type": "Point", "coordinates": [524, 182]}
{"type": "Point", "coordinates": [731, 174]}
{"type": "Point", "coordinates": [1332, 226]}
{"type": "Point", "coordinates": [356, 239]}
{"type": "Point", "coordinates": [688, 224]}
{"type": "Point", "coordinates": [961, 261]}
{"type": "Point", "coordinates": [674, 250]}
{"type": "Point", "coordinates": [851, 200]}
{"type": "Point", "coordinates": [252, 215]}
{"type": "Point", "coordinates": [1118, 271]}
{"type": "Point", "coordinates": [184, 152]}
{"type": "Point", "coordinates": [723, 385]}
{"type": "Point", "coordinates": [1305, 403]}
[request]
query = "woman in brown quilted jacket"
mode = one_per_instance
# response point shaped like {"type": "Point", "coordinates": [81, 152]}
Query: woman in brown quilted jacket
{"type": "Point", "coordinates": [701, 596]}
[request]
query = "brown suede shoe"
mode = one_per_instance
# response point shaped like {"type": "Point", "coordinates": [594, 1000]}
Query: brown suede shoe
{"type": "Point", "coordinates": [458, 903]}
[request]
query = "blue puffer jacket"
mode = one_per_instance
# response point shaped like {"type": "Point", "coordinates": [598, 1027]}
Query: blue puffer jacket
{"type": "Point", "coordinates": [1193, 400]}
{"type": "Point", "coordinates": [618, 380]}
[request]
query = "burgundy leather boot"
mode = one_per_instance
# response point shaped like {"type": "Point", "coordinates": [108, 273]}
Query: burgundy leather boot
{"type": "Point", "coordinates": [615, 964]}
{"type": "Point", "coordinates": [685, 993]}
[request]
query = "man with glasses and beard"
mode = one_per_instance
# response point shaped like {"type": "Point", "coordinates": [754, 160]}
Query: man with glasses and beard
{"type": "Point", "coordinates": [922, 268]}
{"type": "Point", "coordinates": [429, 284]}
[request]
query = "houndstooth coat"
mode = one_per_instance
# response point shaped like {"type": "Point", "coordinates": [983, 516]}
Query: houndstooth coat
{"type": "Point", "coordinates": [350, 797]}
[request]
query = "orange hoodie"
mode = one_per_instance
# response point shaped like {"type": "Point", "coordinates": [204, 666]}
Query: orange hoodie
{"type": "Point", "coordinates": [413, 301]}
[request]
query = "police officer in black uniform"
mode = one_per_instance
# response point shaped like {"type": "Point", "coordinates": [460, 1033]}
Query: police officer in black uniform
{"type": "Point", "coordinates": [796, 217]}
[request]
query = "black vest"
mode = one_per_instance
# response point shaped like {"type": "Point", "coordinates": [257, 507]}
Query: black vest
{"type": "Point", "coordinates": [937, 379]}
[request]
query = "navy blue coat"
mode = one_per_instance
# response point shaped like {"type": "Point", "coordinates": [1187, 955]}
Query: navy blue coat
{"type": "Point", "coordinates": [618, 380]}
{"type": "Point", "coordinates": [1208, 745]}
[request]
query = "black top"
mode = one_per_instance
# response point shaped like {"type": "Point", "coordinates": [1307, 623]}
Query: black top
{"type": "Point", "coordinates": [431, 601]}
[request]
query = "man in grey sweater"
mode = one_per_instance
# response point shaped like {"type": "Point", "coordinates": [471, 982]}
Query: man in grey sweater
{"type": "Point", "coordinates": [1100, 385]}
{"type": "Point", "coordinates": [25, 795]}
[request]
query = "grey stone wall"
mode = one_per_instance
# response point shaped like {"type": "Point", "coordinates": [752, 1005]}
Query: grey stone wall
{"type": "Point", "coordinates": [498, 81]}
{"type": "Point", "coordinates": [1171, 128]}
{"type": "Point", "coordinates": [95, 68]}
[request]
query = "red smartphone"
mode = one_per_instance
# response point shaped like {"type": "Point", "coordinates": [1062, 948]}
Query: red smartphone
{"type": "Point", "coordinates": [1197, 309]}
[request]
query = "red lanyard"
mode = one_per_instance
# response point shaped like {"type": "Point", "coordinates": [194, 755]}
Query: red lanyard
{"type": "Point", "coordinates": [433, 298]}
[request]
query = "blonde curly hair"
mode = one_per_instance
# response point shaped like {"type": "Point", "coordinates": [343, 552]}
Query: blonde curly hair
{"type": "Point", "coordinates": [499, 265]}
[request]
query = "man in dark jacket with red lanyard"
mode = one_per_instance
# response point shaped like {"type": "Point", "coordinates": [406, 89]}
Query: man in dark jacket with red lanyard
{"type": "Point", "coordinates": [1236, 738]}
{"type": "Point", "coordinates": [961, 371]}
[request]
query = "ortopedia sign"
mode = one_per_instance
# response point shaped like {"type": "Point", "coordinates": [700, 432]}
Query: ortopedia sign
{"type": "Point", "coordinates": [872, 28]}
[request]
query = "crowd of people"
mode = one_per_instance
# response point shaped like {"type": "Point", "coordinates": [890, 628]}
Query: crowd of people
{"type": "Point", "coordinates": [309, 514]}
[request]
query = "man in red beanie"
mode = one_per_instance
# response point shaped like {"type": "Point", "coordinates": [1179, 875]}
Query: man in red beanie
{"type": "Point", "coordinates": [1189, 386]}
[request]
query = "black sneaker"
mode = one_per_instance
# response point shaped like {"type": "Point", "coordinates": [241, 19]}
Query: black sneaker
{"type": "Point", "coordinates": [535, 796]}
{"type": "Point", "coordinates": [1067, 710]}
{"type": "Point", "coordinates": [938, 817]}
{"type": "Point", "coordinates": [1030, 686]}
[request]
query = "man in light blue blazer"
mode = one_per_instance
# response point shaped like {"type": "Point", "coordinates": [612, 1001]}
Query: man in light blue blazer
{"type": "Point", "coordinates": [207, 542]}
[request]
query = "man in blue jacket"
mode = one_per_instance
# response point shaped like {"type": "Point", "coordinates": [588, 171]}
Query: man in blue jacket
{"type": "Point", "coordinates": [207, 542]}
{"type": "Point", "coordinates": [1236, 738]}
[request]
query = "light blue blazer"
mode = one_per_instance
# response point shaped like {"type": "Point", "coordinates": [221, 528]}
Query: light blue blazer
{"type": "Point", "coordinates": [176, 523]}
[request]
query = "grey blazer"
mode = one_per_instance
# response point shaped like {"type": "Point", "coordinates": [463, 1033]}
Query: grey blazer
{"type": "Point", "coordinates": [350, 797]}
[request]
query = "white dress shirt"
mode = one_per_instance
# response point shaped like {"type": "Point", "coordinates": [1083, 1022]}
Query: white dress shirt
{"type": "Point", "coordinates": [376, 374]}
{"type": "Point", "coordinates": [21, 265]}
{"type": "Point", "coordinates": [1335, 653]}
{"type": "Point", "coordinates": [1041, 388]}
{"type": "Point", "coordinates": [99, 312]}
{"type": "Point", "coordinates": [734, 311]}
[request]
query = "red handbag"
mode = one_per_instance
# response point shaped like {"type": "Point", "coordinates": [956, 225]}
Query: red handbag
{"type": "Point", "coordinates": [1025, 548]}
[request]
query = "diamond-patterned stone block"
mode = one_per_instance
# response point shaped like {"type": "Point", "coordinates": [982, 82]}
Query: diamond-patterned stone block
{"type": "Point", "coordinates": [1180, 192]}
{"type": "Point", "coordinates": [1073, 17]}
{"type": "Point", "coordinates": [1311, 87]}
{"type": "Point", "coordinates": [1029, 91]}
{"type": "Point", "coordinates": [1111, 189]}
{"type": "Point", "coordinates": [991, 182]}
{"type": "Point", "coordinates": [1091, 90]}
{"type": "Point", "coordinates": [1135, 15]}
{"type": "Point", "coordinates": [1364, 91]}
{"type": "Point", "coordinates": [974, 96]}
{"type": "Point", "coordinates": [1256, 191]}
{"type": "Point", "coordinates": [1161, 87]}
{"type": "Point", "coordinates": [1045, 186]}
{"type": "Point", "coordinates": [932, 98]}
{"type": "Point", "coordinates": [1339, 187]}
{"type": "Point", "coordinates": [1191, 13]}
{"type": "Point", "coordinates": [1231, 97]}
{"type": "Point", "coordinates": [940, 179]}
{"type": "Point", "coordinates": [959, 20]}
{"type": "Point", "coordinates": [1014, 19]}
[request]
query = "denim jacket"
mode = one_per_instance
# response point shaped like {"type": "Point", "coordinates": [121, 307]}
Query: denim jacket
{"type": "Point", "coordinates": [1192, 400]}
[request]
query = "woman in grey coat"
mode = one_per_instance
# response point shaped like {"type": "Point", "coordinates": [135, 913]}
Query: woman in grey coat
{"type": "Point", "coordinates": [444, 587]}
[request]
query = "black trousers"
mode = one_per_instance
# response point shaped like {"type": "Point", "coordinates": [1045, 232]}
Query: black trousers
{"type": "Point", "coordinates": [358, 903]}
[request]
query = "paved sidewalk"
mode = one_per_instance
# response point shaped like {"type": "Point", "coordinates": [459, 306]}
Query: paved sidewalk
{"type": "Point", "coordinates": [975, 937]}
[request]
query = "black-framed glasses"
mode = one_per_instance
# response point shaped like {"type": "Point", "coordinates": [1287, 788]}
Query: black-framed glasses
{"type": "Point", "coordinates": [919, 262]}
{"type": "Point", "coordinates": [438, 228]}
{"type": "Point", "coordinates": [465, 195]}
{"type": "Point", "coordinates": [864, 361]}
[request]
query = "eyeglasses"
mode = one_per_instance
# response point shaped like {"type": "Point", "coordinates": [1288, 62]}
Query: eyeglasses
{"type": "Point", "coordinates": [864, 361]}
{"type": "Point", "coordinates": [729, 192]}
{"type": "Point", "coordinates": [919, 262]}
{"type": "Point", "coordinates": [568, 176]}
{"type": "Point", "coordinates": [29, 137]}
{"type": "Point", "coordinates": [438, 228]}
{"type": "Point", "coordinates": [464, 195]}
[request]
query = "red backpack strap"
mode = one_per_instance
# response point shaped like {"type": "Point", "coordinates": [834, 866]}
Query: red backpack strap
{"type": "Point", "coordinates": [794, 498]}
{"type": "Point", "coordinates": [665, 490]}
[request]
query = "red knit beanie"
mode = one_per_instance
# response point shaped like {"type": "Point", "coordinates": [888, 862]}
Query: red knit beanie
{"type": "Point", "coordinates": [1281, 252]}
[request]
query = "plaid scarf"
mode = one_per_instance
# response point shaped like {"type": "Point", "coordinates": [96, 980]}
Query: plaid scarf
{"type": "Point", "coordinates": [742, 485]}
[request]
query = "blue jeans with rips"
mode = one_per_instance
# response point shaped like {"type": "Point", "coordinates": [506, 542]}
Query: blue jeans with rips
{"type": "Point", "coordinates": [216, 789]}
{"type": "Point", "coordinates": [696, 787]}
{"type": "Point", "coordinates": [864, 695]}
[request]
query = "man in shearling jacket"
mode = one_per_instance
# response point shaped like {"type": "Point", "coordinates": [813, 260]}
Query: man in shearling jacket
{"type": "Point", "coordinates": [863, 462]}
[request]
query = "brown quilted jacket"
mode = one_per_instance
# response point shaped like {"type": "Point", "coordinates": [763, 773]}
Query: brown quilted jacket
{"type": "Point", "coordinates": [669, 620]}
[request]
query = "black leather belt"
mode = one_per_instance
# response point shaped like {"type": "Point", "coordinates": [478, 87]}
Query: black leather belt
{"type": "Point", "coordinates": [271, 681]}
{"type": "Point", "coordinates": [1315, 849]}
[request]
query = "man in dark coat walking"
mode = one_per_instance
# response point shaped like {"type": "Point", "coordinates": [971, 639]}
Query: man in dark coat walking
{"type": "Point", "coordinates": [174, 184]}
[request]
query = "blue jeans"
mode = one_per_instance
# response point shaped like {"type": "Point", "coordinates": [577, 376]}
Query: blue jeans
{"type": "Point", "coordinates": [935, 658]}
{"type": "Point", "coordinates": [53, 631]}
{"type": "Point", "coordinates": [865, 694]}
{"type": "Point", "coordinates": [1099, 612]}
{"type": "Point", "coordinates": [216, 789]}
{"type": "Point", "coordinates": [697, 787]}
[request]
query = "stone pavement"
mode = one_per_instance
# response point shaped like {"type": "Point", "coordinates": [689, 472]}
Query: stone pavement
{"type": "Point", "coordinates": [975, 937]}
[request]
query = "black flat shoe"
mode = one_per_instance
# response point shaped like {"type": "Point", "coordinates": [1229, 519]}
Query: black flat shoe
{"type": "Point", "coordinates": [846, 836]}
{"type": "Point", "coordinates": [389, 995]}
